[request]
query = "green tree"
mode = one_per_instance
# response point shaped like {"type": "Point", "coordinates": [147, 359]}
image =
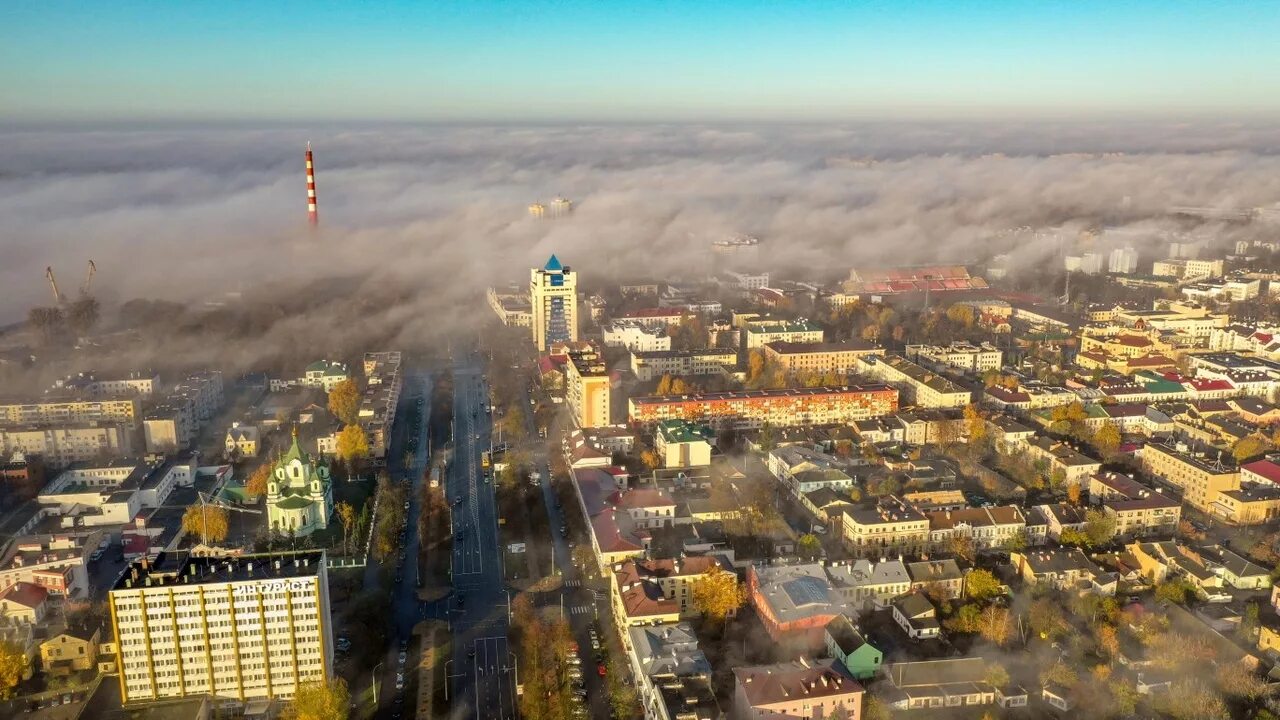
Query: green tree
{"type": "Point", "coordinates": [808, 546]}
{"type": "Point", "coordinates": [1099, 528]}
{"type": "Point", "coordinates": [981, 585]}
{"type": "Point", "coordinates": [1016, 542]}
{"type": "Point", "coordinates": [1173, 590]}
{"type": "Point", "coordinates": [322, 700]}
{"type": "Point", "coordinates": [344, 402]}
{"type": "Point", "coordinates": [968, 619]}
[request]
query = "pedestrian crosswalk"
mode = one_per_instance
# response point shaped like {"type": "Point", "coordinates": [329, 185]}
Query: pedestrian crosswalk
{"type": "Point", "coordinates": [572, 583]}
{"type": "Point", "coordinates": [581, 610]}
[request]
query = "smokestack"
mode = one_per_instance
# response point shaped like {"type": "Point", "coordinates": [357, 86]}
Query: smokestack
{"type": "Point", "coordinates": [312, 216]}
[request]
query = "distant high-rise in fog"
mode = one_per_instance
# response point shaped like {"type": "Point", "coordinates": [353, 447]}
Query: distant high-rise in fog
{"type": "Point", "coordinates": [1123, 260]}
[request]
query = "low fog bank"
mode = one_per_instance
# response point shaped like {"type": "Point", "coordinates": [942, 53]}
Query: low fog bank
{"type": "Point", "coordinates": [418, 220]}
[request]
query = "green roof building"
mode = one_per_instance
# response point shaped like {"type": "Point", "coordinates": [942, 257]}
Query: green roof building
{"type": "Point", "coordinates": [299, 493]}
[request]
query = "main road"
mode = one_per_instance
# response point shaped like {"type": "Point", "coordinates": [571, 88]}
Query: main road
{"type": "Point", "coordinates": [482, 671]}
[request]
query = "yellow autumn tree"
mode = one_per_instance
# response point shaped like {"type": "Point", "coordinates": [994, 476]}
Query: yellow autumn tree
{"type": "Point", "coordinates": [13, 665]}
{"type": "Point", "coordinates": [717, 593]}
{"type": "Point", "coordinates": [352, 443]}
{"type": "Point", "coordinates": [256, 485]}
{"type": "Point", "coordinates": [344, 401]}
{"type": "Point", "coordinates": [322, 700]}
{"type": "Point", "coordinates": [210, 523]}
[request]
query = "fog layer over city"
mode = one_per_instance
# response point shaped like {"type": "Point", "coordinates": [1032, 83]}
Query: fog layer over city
{"type": "Point", "coordinates": [417, 220]}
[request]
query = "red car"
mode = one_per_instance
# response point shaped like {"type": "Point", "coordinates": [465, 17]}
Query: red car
{"type": "Point", "coordinates": [600, 669]}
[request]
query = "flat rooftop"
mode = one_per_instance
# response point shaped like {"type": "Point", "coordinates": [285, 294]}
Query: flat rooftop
{"type": "Point", "coordinates": [185, 569]}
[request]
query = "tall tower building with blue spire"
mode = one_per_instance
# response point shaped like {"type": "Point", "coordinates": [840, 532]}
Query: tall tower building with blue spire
{"type": "Point", "coordinates": [553, 292]}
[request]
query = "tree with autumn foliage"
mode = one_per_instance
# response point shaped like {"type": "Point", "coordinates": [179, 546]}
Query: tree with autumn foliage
{"type": "Point", "coordinates": [975, 425]}
{"type": "Point", "coordinates": [353, 444]}
{"type": "Point", "coordinates": [321, 700]}
{"type": "Point", "coordinates": [718, 594]}
{"type": "Point", "coordinates": [210, 523]}
{"type": "Point", "coordinates": [1250, 446]}
{"type": "Point", "coordinates": [344, 401]}
{"type": "Point", "coordinates": [13, 665]}
{"type": "Point", "coordinates": [256, 485]}
{"type": "Point", "coordinates": [1107, 439]}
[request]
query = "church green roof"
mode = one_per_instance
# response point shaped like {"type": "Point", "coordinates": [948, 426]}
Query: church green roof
{"type": "Point", "coordinates": [294, 502]}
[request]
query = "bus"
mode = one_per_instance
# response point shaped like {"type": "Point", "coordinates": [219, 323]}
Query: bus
{"type": "Point", "coordinates": [484, 460]}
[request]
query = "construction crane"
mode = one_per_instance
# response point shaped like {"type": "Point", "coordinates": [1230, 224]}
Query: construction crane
{"type": "Point", "coordinates": [57, 297]}
{"type": "Point", "coordinates": [207, 500]}
{"type": "Point", "coordinates": [88, 279]}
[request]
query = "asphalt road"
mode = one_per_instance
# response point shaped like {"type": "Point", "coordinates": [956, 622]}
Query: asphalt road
{"type": "Point", "coordinates": [405, 609]}
{"type": "Point", "coordinates": [582, 605]}
{"type": "Point", "coordinates": [482, 672]}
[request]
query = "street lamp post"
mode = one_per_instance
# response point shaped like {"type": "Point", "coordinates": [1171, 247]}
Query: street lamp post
{"type": "Point", "coordinates": [376, 668]}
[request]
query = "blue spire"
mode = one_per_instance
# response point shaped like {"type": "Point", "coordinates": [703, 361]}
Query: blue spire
{"type": "Point", "coordinates": [553, 264]}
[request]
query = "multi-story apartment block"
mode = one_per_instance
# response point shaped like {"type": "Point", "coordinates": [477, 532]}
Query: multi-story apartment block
{"type": "Point", "coordinates": [1199, 479]}
{"type": "Point", "coordinates": [66, 444]}
{"type": "Point", "coordinates": [762, 332]}
{"type": "Point", "coordinates": [890, 527]}
{"type": "Point", "coordinates": [71, 410]}
{"type": "Point", "coordinates": [963, 355]}
{"type": "Point", "coordinates": [553, 295]}
{"type": "Point", "coordinates": [818, 357]}
{"type": "Point", "coordinates": [779, 408]}
{"type": "Point", "coordinates": [635, 337]}
{"type": "Point", "coordinates": [238, 628]}
{"type": "Point", "coordinates": [651, 364]}
{"type": "Point", "coordinates": [587, 389]}
{"type": "Point", "coordinates": [919, 386]}
{"type": "Point", "coordinates": [1137, 509]}
{"type": "Point", "coordinates": [135, 384]}
{"type": "Point", "coordinates": [659, 317]}
{"type": "Point", "coordinates": [383, 384]}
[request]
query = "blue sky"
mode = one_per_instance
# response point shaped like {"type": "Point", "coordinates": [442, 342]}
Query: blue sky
{"type": "Point", "coordinates": [655, 60]}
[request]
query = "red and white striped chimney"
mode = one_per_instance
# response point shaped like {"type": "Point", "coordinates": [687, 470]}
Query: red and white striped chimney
{"type": "Point", "coordinates": [312, 216]}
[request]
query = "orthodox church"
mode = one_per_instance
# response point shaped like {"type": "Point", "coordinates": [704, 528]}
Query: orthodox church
{"type": "Point", "coordinates": [299, 493]}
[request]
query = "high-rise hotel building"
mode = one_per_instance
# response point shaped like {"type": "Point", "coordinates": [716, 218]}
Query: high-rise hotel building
{"type": "Point", "coordinates": [553, 295]}
{"type": "Point", "coordinates": [244, 627]}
